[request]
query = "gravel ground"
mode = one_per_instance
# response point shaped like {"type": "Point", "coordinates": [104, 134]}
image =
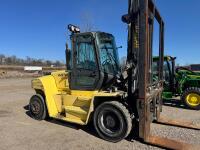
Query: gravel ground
{"type": "Point", "coordinates": [17, 74]}
{"type": "Point", "coordinates": [20, 132]}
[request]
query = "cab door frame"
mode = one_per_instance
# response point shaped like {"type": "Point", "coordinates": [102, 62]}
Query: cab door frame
{"type": "Point", "coordinates": [76, 73]}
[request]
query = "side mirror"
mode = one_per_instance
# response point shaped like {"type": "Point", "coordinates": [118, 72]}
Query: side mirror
{"type": "Point", "coordinates": [126, 18]}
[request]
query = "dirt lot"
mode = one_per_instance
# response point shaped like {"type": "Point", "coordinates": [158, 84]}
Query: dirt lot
{"type": "Point", "coordinates": [20, 132]}
{"type": "Point", "coordinates": [17, 74]}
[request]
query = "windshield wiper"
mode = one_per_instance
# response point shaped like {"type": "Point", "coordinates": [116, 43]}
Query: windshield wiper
{"type": "Point", "coordinates": [111, 57]}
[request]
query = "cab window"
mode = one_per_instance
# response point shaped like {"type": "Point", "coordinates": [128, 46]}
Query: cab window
{"type": "Point", "coordinates": [85, 54]}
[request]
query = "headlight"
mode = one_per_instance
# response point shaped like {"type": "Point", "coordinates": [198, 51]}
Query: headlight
{"type": "Point", "coordinates": [73, 28]}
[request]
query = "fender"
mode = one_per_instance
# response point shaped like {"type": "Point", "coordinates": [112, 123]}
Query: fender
{"type": "Point", "coordinates": [47, 84]}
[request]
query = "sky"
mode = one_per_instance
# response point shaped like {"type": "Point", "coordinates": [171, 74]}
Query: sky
{"type": "Point", "coordinates": [38, 28]}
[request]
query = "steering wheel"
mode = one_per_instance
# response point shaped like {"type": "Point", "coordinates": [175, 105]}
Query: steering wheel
{"type": "Point", "coordinates": [105, 62]}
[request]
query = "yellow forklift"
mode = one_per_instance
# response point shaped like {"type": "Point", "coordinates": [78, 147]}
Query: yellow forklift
{"type": "Point", "coordinates": [93, 88]}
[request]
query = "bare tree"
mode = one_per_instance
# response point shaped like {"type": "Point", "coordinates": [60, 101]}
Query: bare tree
{"type": "Point", "coordinates": [13, 60]}
{"type": "Point", "coordinates": [57, 63]}
{"type": "Point", "coordinates": [123, 62]}
{"type": "Point", "coordinates": [87, 22]}
{"type": "Point", "coordinates": [2, 59]}
{"type": "Point", "coordinates": [48, 63]}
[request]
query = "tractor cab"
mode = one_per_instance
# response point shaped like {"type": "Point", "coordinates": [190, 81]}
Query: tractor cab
{"type": "Point", "coordinates": [179, 81]}
{"type": "Point", "coordinates": [168, 74]}
{"type": "Point", "coordinates": [93, 61]}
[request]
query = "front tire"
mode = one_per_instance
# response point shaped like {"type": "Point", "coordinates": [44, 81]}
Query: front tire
{"type": "Point", "coordinates": [112, 121]}
{"type": "Point", "coordinates": [191, 98]}
{"type": "Point", "coordinates": [37, 107]}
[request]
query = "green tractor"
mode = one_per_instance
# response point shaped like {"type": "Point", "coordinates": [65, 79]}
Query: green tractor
{"type": "Point", "coordinates": [179, 81]}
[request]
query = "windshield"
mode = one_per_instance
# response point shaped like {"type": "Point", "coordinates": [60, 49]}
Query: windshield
{"type": "Point", "coordinates": [155, 70]}
{"type": "Point", "coordinates": [108, 53]}
{"type": "Point", "coordinates": [166, 70]}
{"type": "Point", "coordinates": [167, 67]}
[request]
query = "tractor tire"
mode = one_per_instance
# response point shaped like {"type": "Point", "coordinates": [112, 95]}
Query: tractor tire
{"type": "Point", "coordinates": [112, 121]}
{"type": "Point", "coordinates": [191, 98]}
{"type": "Point", "coordinates": [37, 107]}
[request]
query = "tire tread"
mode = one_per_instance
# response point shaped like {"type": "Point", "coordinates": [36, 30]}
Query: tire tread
{"type": "Point", "coordinates": [124, 111]}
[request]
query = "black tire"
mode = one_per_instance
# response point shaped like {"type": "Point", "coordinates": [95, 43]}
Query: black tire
{"type": "Point", "coordinates": [37, 107]}
{"type": "Point", "coordinates": [185, 98]}
{"type": "Point", "coordinates": [112, 121]}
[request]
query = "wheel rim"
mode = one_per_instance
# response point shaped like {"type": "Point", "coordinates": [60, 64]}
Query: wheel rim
{"type": "Point", "coordinates": [35, 107]}
{"type": "Point", "coordinates": [193, 99]}
{"type": "Point", "coordinates": [109, 123]}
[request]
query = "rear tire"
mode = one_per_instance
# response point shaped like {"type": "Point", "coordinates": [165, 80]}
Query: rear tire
{"type": "Point", "coordinates": [191, 98]}
{"type": "Point", "coordinates": [37, 107]}
{"type": "Point", "coordinates": [112, 121]}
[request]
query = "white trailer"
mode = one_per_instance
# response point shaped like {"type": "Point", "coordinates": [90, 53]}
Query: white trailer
{"type": "Point", "coordinates": [32, 68]}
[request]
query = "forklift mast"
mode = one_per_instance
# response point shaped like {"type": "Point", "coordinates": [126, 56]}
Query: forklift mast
{"type": "Point", "coordinates": [146, 93]}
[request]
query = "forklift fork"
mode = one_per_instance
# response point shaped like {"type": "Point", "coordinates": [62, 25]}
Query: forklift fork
{"type": "Point", "coordinates": [145, 133]}
{"type": "Point", "coordinates": [178, 123]}
{"type": "Point", "coordinates": [170, 144]}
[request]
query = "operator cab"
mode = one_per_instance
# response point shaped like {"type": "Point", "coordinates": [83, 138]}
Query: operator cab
{"type": "Point", "coordinates": [168, 72]}
{"type": "Point", "coordinates": [93, 61]}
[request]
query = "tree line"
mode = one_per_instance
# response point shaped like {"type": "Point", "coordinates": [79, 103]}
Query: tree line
{"type": "Point", "coordinates": [28, 61]}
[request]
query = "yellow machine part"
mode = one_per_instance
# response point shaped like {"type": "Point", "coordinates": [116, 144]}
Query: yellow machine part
{"type": "Point", "coordinates": [65, 104]}
{"type": "Point", "coordinates": [193, 99]}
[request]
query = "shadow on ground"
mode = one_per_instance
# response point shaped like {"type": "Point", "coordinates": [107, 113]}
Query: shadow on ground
{"type": "Point", "coordinates": [51, 120]}
{"type": "Point", "coordinates": [88, 129]}
{"type": "Point", "coordinates": [133, 136]}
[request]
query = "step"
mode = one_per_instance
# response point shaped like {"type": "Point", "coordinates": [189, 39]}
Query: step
{"type": "Point", "coordinates": [76, 110]}
{"type": "Point", "coordinates": [72, 120]}
{"type": "Point", "coordinates": [82, 98]}
{"type": "Point", "coordinates": [82, 102]}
